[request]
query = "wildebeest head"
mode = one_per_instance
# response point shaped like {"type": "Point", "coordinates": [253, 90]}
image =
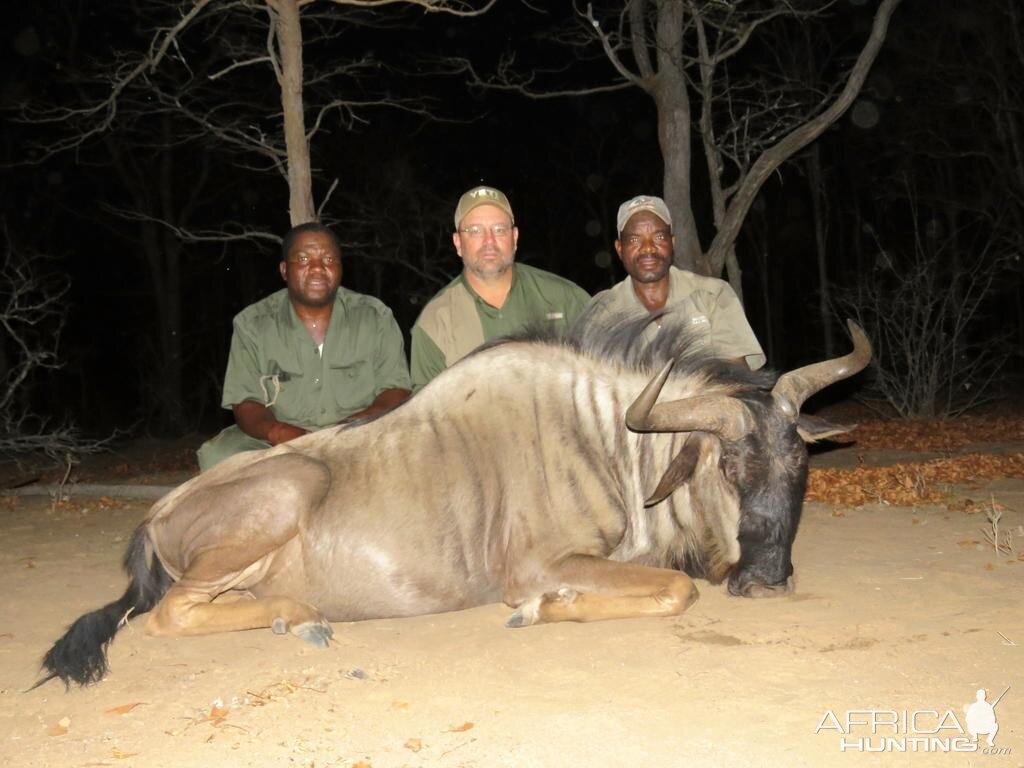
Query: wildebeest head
{"type": "Point", "coordinates": [763, 456]}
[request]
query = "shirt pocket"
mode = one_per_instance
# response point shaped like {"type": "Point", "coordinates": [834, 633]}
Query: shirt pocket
{"type": "Point", "coordinates": [554, 319]}
{"type": "Point", "coordinates": [352, 386]}
{"type": "Point", "coordinates": [695, 324]}
{"type": "Point", "coordinates": [281, 388]}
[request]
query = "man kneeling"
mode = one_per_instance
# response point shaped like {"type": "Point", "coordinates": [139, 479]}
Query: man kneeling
{"type": "Point", "coordinates": [309, 356]}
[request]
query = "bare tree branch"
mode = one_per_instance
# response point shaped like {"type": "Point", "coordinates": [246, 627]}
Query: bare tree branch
{"type": "Point", "coordinates": [225, 235]}
{"type": "Point", "coordinates": [448, 7]}
{"type": "Point", "coordinates": [159, 45]}
{"type": "Point", "coordinates": [33, 311]}
{"type": "Point", "coordinates": [773, 157]}
{"type": "Point", "coordinates": [611, 51]}
{"type": "Point", "coordinates": [238, 65]}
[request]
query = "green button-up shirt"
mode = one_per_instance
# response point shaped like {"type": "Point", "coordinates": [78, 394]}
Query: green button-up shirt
{"type": "Point", "coordinates": [707, 306]}
{"type": "Point", "coordinates": [274, 361]}
{"type": "Point", "coordinates": [457, 320]}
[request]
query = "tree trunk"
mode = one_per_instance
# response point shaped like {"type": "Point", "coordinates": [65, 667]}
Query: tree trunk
{"type": "Point", "coordinates": [672, 103]}
{"type": "Point", "coordinates": [763, 266]}
{"type": "Point", "coordinates": [288, 29]}
{"type": "Point", "coordinates": [734, 273]}
{"type": "Point", "coordinates": [819, 211]}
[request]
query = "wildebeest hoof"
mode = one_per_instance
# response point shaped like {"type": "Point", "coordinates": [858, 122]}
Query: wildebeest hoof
{"type": "Point", "coordinates": [525, 615]}
{"type": "Point", "coordinates": [318, 633]}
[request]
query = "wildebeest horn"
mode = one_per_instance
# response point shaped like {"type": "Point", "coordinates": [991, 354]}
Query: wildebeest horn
{"type": "Point", "coordinates": [718, 414]}
{"type": "Point", "coordinates": [796, 386]}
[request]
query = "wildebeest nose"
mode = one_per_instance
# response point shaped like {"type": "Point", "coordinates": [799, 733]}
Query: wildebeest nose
{"type": "Point", "coordinates": [750, 588]}
{"type": "Point", "coordinates": [755, 589]}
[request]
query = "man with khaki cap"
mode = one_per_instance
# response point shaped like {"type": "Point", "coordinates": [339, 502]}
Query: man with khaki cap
{"type": "Point", "coordinates": [493, 296]}
{"type": "Point", "coordinates": [707, 306]}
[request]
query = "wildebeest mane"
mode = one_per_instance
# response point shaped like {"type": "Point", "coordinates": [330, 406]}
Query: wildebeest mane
{"type": "Point", "coordinates": [616, 338]}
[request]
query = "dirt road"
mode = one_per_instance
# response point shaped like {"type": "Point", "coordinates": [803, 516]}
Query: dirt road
{"type": "Point", "coordinates": [897, 610]}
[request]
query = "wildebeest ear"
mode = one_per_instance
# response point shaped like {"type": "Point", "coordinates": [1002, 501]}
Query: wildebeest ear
{"type": "Point", "coordinates": [678, 472]}
{"type": "Point", "coordinates": [812, 428]}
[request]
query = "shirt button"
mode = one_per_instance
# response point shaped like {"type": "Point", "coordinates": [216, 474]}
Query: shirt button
{"type": "Point", "coordinates": [316, 381]}
{"type": "Point", "coordinates": [351, 374]}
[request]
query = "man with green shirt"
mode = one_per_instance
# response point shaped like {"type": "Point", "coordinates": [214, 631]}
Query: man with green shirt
{"type": "Point", "coordinates": [309, 356]}
{"type": "Point", "coordinates": [706, 306]}
{"type": "Point", "coordinates": [493, 296]}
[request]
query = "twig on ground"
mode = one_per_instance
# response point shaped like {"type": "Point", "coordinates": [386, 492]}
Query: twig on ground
{"type": "Point", "coordinates": [59, 495]}
{"type": "Point", "coordinates": [1002, 542]}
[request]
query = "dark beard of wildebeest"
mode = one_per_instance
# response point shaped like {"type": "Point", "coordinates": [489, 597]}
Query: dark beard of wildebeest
{"type": "Point", "coordinates": [542, 473]}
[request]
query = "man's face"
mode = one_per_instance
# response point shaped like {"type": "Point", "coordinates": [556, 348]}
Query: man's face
{"type": "Point", "coordinates": [486, 241]}
{"type": "Point", "coordinates": [645, 247]}
{"type": "Point", "coordinates": [312, 270]}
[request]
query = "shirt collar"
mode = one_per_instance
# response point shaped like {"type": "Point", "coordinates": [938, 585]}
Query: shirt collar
{"type": "Point", "coordinates": [339, 313]}
{"type": "Point", "coordinates": [483, 304]}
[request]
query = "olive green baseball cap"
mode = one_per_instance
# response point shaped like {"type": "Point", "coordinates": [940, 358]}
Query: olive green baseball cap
{"type": "Point", "coordinates": [478, 196]}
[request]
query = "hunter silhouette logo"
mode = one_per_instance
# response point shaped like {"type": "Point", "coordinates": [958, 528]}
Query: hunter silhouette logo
{"type": "Point", "coordinates": [917, 730]}
{"type": "Point", "coordinates": [981, 717]}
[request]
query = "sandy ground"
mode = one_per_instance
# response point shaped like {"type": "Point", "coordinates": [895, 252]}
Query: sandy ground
{"type": "Point", "coordinates": [896, 609]}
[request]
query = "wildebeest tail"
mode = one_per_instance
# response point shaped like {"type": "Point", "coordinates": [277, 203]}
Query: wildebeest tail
{"type": "Point", "coordinates": [80, 656]}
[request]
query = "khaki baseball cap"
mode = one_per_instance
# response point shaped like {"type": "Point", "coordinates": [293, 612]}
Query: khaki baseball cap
{"type": "Point", "coordinates": [478, 196]}
{"type": "Point", "coordinates": [642, 203]}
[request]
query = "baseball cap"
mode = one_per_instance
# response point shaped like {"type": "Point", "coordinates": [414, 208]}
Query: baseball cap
{"type": "Point", "coordinates": [642, 203]}
{"type": "Point", "coordinates": [478, 196]}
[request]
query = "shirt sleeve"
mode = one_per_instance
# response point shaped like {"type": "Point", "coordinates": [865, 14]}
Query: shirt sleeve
{"type": "Point", "coordinates": [731, 335]}
{"type": "Point", "coordinates": [389, 368]}
{"type": "Point", "coordinates": [427, 359]}
{"type": "Point", "coordinates": [242, 378]}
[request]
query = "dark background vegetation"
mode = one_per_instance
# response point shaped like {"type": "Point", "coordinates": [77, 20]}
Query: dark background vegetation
{"type": "Point", "coordinates": [923, 176]}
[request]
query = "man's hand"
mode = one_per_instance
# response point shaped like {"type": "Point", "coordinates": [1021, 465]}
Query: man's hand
{"type": "Point", "coordinates": [280, 432]}
{"type": "Point", "coordinates": [258, 421]}
{"type": "Point", "coordinates": [384, 402]}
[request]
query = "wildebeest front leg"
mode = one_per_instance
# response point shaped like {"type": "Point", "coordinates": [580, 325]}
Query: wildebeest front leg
{"type": "Point", "coordinates": [594, 588]}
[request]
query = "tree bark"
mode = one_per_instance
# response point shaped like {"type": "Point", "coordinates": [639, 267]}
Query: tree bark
{"type": "Point", "coordinates": [672, 103]}
{"type": "Point", "coordinates": [288, 29]}
{"type": "Point", "coordinates": [819, 211]}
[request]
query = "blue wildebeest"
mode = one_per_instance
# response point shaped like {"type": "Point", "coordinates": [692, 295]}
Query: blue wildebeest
{"type": "Point", "coordinates": [539, 473]}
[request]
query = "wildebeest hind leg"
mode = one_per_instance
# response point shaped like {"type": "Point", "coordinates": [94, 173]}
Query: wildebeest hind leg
{"type": "Point", "coordinates": [187, 608]}
{"type": "Point", "coordinates": [189, 612]}
{"type": "Point", "coordinates": [594, 588]}
{"type": "Point", "coordinates": [232, 536]}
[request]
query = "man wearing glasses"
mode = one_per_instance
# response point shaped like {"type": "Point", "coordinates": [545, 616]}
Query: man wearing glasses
{"type": "Point", "coordinates": [493, 296]}
{"type": "Point", "coordinates": [309, 356]}
{"type": "Point", "coordinates": [708, 307]}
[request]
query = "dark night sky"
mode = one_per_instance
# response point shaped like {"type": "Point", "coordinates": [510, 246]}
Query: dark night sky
{"type": "Point", "coordinates": [566, 163]}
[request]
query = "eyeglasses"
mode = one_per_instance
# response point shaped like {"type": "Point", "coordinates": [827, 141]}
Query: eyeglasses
{"type": "Point", "coordinates": [496, 230]}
